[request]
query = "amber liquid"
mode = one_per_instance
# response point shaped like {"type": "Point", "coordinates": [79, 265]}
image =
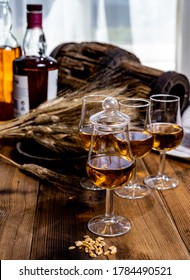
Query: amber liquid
{"type": "Point", "coordinates": [36, 69]}
{"type": "Point", "coordinates": [110, 172]}
{"type": "Point", "coordinates": [167, 136]}
{"type": "Point", "coordinates": [98, 140]}
{"type": "Point", "coordinates": [141, 142]}
{"type": "Point", "coordinates": [85, 137]}
{"type": "Point", "coordinates": [7, 55]}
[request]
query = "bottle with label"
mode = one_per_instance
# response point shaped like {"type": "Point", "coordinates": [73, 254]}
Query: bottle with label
{"type": "Point", "coordinates": [9, 50]}
{"type": "Point", "coordinates": [35, 74]}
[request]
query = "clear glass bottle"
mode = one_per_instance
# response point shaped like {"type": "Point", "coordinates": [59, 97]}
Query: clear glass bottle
{"type": "Point", "coordinates": [35, 74]}
{"type": "Point", "coordinates": [9, 50]}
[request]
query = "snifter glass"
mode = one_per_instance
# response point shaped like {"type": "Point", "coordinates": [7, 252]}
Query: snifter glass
{"type": "Point", "coordinates": [166, 127]}
{"type": "Point", "coordinates": [107, 167]}
{"type": "Point", "coordinates": [141, 141]}
{"type": "Point", "coordinates": [91, 104]}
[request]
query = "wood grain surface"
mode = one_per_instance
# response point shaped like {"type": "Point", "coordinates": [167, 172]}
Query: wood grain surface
{"type": "Point", "coordinates": [39, 222]}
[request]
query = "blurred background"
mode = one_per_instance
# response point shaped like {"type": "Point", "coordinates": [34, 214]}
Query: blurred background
{"type": "Point", "coordinates": [155, 31]}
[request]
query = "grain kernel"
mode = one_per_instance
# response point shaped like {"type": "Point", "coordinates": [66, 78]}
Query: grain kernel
{"type": "Point", "coordinates": [90, 247]}
{"type": "Point", "coordinates": [88, 240]}
{"type": "Point", "coordinates": [72, 247]}
{"type": "Point", "coordinates": [111, 247]}
{"type": "Point", "coordinates": [94, 247]}
{"type": "Point", "coordinates": [86, 249]}
{"type": "Point", "coordinates": [99, 251]}
{"type": "Point", "coordinates": [113, 251]}
{"type": "Point", "coordinates": [79, 243]}
{"type": "Point", "coordinates": [86, 236]}
{"type": "Point", "coordinates": [106, 252]}
{"type": "Point", "coordinates": [99, 238]}
{"type": "Point", "coordinates": [92, 255]}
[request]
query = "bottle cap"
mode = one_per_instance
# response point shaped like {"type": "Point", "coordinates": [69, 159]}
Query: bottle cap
{"type": "Point", "coordinates": [33, 8]}
{"type": "Point", "coordinates": [34, 16]}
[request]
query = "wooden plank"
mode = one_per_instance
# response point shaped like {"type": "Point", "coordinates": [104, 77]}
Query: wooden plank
{"type": "Point", "coordinates": [153, 235]}
{"type": "Point", "coordinates": [43, 223]}
{"type": "Point", "coordinates": [61, 221]}
{"type": "Point", "coordinates": [177, 200]}
{"type": "Point", "coordinates": [17, 208]}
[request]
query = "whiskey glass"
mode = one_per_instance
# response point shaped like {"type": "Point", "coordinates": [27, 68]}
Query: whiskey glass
{"type": "Point", "coordinates": [141, 141]}
{"type": "Point", "coordinates": [91, 104]}
{"type": "Point", "coordinates": [166, 126]}
{"type": "Point", "coordinates": [107, 167]}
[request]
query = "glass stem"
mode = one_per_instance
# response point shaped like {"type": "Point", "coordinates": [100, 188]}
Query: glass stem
{"type": "Point", "coordinates": [109, 212]}
{"type": "Point", "coordinates": [162, 162]}
{"type": "Point", "coordinates": [134, 178]}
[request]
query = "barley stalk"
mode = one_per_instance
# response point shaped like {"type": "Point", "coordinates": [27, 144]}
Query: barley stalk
{"type": "Point", "coordinates": [54, 124]}
{"type": "Point", "coordinates": [65, 183]}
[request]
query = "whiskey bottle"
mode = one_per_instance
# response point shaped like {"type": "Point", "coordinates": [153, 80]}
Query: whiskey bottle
{"type": "Point", "coordinates": [9, 50]}
{"type": "Point", "coordinates": [35, 74]}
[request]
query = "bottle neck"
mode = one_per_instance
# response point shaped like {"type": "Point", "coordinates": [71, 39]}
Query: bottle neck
{"type": "Point", "coordinates": [6, 37]}
{"type": "Point", "coordinates": [34, 43]}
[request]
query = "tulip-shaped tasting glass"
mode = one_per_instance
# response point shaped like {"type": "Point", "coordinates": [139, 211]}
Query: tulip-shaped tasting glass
{"type": "Point", "coordinates": [107, 167]}
{"type": "Point", "coordinates": [91, 104]}
{"type": "Point", "coordinates": [141, 141]}
{"type": "Point", "coordinates": [167, 131]}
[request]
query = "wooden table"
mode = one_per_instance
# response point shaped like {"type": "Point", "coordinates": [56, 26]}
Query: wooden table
{"type": "Point", "coordinates": [40, 222]}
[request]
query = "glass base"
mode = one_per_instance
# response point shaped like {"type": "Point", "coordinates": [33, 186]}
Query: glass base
{"type": "Point", "coordinates": [136, 191]}
{"type": "Point", "coordinates": [87, 184]}
{"type": "Point", "coordinates": [109, 226]}
{"type": "Point", "coordinates": [161, 182]}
